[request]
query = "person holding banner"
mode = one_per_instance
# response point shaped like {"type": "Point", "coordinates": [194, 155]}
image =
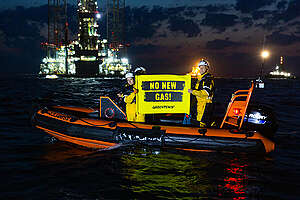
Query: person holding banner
{"type": "Point", "coordinates": [203, 90]}
{"type": "Point", "coordinates": [130, 99]}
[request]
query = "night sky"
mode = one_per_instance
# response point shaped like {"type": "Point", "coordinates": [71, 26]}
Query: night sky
{"type": "Point", "coordinates": [170, 37]}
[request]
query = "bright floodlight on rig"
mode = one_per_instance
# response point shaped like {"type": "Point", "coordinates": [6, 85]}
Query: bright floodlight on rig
{"type": "Point", "coordinates": [87, 49]}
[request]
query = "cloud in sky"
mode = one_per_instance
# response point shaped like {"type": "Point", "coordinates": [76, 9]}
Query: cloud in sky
{"type": "Point", "coordinates": [222, 44]}
{"type": "Point", "coordinates": [292, 11]}
{"type": "Point", "coordinates": [219, 21]}
{"type": "Point", "coordinates": [278, 38]}
{"type": "Point", "coordinates": [176, 3]}
{"type": "Point", "coordinates": [187, 26]}
{"type": "Point", "coordinates": [5, 4]}
{"type": "Point", "coordinates": [281, 5]}
{"type": "Point", "coordinates": [246, 6]}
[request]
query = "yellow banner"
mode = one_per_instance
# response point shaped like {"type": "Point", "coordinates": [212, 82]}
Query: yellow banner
{"type": "Point", "coordinates": [163, 94]}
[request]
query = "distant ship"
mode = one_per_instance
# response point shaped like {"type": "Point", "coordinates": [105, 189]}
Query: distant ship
{"type": "Point", "coordinates": [280, 72]}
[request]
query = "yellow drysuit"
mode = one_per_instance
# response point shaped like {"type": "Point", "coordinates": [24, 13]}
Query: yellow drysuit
{"type": "Point", "coordinates": [131, 113]}
{"type": "Point", "coordinates": [204, 92]}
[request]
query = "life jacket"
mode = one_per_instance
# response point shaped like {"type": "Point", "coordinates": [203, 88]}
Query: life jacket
{"type": "Point", "coordinates": [130, 101]}
{"type": "Point", "coordinates": [128, 91]}
{"type": "Point", "coordinates": [204, 88]}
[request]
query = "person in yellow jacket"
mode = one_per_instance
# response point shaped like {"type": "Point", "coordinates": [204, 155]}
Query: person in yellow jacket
{"type": "Point", "coordinates": [203, 90]}
{"type": "Point", "coordinates": [130, 100]}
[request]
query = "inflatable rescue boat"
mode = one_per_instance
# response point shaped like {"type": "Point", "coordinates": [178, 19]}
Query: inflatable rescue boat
{"type": "Point", "coordinates": [241, 129]}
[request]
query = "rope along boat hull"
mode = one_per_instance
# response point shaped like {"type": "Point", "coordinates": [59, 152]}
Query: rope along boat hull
{"type": "Point", "coordinates": [82, 126]}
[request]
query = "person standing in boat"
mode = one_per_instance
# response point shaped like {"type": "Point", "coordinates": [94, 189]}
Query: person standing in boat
{"type": "Point", "coordinates": [203, 90]}
{"type": "Point", "coordinates": [129, 96]}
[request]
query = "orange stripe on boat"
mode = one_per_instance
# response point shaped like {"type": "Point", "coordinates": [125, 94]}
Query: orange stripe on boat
{"type": "Point", "coordinates": [82, 121]}
{"type": "Point", "coordinates": [95, 144]}
{"type": "Point", "coordinates": [197, 150]}
{"type": "Point", "coordinates": [86, 110]}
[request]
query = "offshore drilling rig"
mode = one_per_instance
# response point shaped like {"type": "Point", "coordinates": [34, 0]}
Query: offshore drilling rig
{"type": "Point", "coordinates": [88, 45]}
{"type": "Point", "coordinates": [88, 55]}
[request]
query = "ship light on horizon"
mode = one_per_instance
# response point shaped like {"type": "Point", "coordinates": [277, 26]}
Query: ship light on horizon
{"type": "Point", "coordinates": [265, 54]}
{"type": "Point", "coordinates": [98, 15]}
{"type": "Point", "coordinates": [278, 73]}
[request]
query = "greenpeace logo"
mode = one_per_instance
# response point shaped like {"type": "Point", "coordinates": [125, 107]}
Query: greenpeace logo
{"type": "Point", "coordinates": [163, 107]}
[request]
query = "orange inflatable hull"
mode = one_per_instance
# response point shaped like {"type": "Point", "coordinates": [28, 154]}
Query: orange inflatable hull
{"type": "Point", "coordinates": [82, 126]}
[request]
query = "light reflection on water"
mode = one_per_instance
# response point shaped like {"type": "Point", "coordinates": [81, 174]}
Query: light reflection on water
{"type": "Point", "coordinates": [177, 175]}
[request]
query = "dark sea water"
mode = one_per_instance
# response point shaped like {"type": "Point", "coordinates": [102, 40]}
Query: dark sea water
{"type": "Point", "coordinates": [34, 165]}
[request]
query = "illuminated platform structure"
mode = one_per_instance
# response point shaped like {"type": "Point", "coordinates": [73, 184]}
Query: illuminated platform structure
{"type": "Point", "coordinates": [87, 49]}
{"type": "Point", "coordinates": [113, 65]}
{"type": "Point", "coordinates": [60, 62]}
{"type": "Point", "coordinates": [116, 63]}
{"type": "Point", "coordinates": [88, 55]}
{"type": "Point", "coordinates": [58, 55]}
{"type": "Point", "coordinates": [279, 72]}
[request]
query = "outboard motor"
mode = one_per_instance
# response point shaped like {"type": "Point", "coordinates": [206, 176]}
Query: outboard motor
{"type": "Point", "coordinates": [262, 119]}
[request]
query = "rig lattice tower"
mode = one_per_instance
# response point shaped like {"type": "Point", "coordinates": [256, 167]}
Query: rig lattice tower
{"type": "Point", "coordinates": [88, 46]}
{"type": "Point", "coordinates": [116, 24]}
{"type": "Point", "coordinates": [57, 38]}
{"type": "Point", "coordinates": [57, 22]}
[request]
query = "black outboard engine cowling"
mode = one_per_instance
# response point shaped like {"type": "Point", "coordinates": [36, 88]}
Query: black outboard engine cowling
{"type": "Point", "coordinates": [262, 119]}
